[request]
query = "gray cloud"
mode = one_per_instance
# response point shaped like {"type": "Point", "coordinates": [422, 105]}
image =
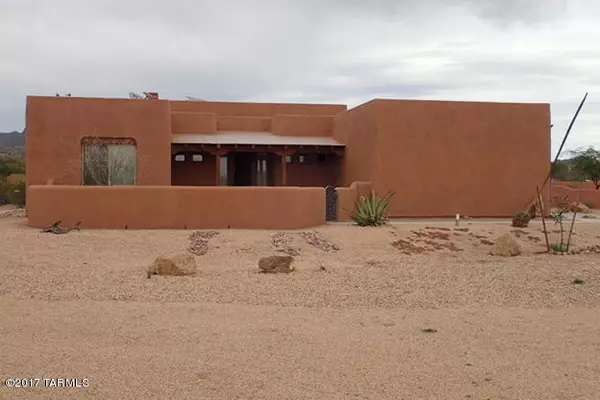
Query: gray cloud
{"type": "Point", "coordinates": [343, 51]}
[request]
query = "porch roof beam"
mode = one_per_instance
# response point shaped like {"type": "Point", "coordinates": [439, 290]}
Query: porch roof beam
{"type": "Point", "coordinates": [339, 150]}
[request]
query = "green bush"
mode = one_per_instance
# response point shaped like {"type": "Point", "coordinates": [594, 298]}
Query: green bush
{"type": "Point", "coordinates": [17, 194]}
{"type": "Point", "coordinates": [371, 210]}
{"type": "Point", "coordinates": [559, 248]}
{"type": "Point", "coordinates": [521, 220]}
{"type": "Point", "coordinates": [4, 189]}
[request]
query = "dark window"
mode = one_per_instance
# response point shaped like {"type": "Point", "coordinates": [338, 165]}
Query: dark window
{"type": "Point", "coordinates": [321, 158]}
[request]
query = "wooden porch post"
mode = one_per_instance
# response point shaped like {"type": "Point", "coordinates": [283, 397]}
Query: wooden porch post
{"type": "Point", "coordinates": [283, 169]}
{"type": "Point", "coordinates": [284, 153]}
{"type": "Point", "coordinates": [218, 169]}
{"type": "Point", "coordinates": [218, 154]}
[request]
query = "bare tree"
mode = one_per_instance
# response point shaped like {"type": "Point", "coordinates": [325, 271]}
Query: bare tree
{"type": "Point", "coordinates": [137, 96]}
{"type": "Point", "coordinates": [192, 98]}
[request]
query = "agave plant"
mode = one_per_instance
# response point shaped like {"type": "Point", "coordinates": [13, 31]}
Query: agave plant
{"type": "Point", "coordinates": [371, 210]}
{"type": "Point", "coordinates": [521, 220]}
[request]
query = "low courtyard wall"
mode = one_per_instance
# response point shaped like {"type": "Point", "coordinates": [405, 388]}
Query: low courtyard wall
{"type": "Point", "coordinates": [176, 207]}
{"type": "Point", "coordinates": [347, 197]}
{"type": "Point", "coordinates": [587, 192]}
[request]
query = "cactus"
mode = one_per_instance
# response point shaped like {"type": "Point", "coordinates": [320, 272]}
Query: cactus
{"type": "Point", "coordinates": [371, 210]}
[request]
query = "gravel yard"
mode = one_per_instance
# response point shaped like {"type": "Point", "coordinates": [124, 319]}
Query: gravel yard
{"type": "Point", "coordinates": [348, 323]}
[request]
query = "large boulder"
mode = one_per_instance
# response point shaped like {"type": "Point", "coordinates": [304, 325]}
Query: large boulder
{"type": "Point", "coordinates": [276, 264]}
{"type": "Point", "coordinates": [579, 208]}
{"type": "Point", "coordinates": [178, 264]}
{"type": "Point", "coordinates": [506, 246]}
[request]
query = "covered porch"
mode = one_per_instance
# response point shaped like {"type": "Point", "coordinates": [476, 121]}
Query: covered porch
{"type": "Point", "coordinates": [254, 159]}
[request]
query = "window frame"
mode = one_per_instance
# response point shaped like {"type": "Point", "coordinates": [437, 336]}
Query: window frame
{"type": "Point", "coordinates": [201, 155]}
{"type": "Point", "coordinates": [108, 142]}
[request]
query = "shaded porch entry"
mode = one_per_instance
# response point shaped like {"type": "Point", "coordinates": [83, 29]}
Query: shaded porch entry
{"type": "Point", "coordinates": [228, 160]}
{"type": "Point", "coordinates": [247, 169]}
{"type": "Point", "coordinates": [206, 166]}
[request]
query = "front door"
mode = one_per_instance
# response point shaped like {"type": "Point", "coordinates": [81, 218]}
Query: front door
{"type": "Point", "coordinates": [251, 169]}
{"type": "Point", "coordinates": [244, 165]}
{"type": "Point", "coordinates": [331, 199]}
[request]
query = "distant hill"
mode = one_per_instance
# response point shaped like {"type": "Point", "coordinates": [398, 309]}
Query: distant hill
{"type": "Point", "coordinates": [12, 139]}
{"type": "Point", "coordinates": [12, 144]}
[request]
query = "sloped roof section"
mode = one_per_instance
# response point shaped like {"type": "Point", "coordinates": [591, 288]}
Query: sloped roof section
{"type": "Point", "coordinates": [249, 138]}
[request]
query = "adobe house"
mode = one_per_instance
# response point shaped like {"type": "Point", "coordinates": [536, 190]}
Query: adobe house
{"type": "Point", "coordinates": [152, 163]}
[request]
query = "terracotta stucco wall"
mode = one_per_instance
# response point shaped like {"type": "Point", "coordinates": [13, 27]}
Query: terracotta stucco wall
{"type": "Point", "coordinates": [56, 125]}
{"type": "Point", "coordinates": [190, 173]}
{"type": "Point", "coordinates": [357, 129]}
{"type": "Point", "coordinates": [255, 109]}
{"type": "Point", "coordinates": [187, 122]}
{"type": "Point", "coordinates": [303, 125]}
{"type": "Point", "coordinates": [476, 159]}
{"type": "Point", "coordinates": [347, 197]}
{"type": "Point", "coordinates": [281, 119]}
{"type": "Point", "coordinates": [313, 174]}
{"type": "Point", "coordinates": [586, 192]}
{"type": "Point", "coordinates": [250, 124]}
{"type": "Point", "coordinates": [159, 207]}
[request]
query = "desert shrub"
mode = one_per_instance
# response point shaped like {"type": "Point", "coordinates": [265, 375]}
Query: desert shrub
{"type": "Point", "coordinates": [10, 165]}
{"type": "Point", "coordinates": [521, 220]}
{"type": "Point", "coordinates": [371, 210]}
{"type": "Point", "coordinates": [587, 161]}
{"type": "Point", "coordinates": [559, 248]}
{"type": "Point", "coordinates": [557, 214]}
{"type": "Point", "coordinates": [4, 189]}
{"type": "Point", "coordinates": [17, 194]}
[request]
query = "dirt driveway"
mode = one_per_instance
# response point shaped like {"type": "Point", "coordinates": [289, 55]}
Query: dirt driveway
{"type": "Point", "coordinates": [80, 306]}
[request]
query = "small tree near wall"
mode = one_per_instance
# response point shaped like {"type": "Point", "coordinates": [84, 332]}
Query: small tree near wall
{"type": "Point", "coordinates": [587, 163]}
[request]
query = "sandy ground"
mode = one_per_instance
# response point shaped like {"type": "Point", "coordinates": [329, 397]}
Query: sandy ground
{"type": "Point", "coordinates": [80, 306]}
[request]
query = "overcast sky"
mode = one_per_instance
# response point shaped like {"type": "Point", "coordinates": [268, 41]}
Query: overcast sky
{"type": "Point", "coordinates": [326, 51]}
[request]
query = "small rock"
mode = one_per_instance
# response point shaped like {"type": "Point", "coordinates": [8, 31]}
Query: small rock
{"type": "Point", "coordinates": [579, 208]}
{"type": "Point", "coordinates": [276, 264]}
{"type": "Point", "coordinates": [506, 246]}
{"type": "Point", "coordinates": [179, 264]}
